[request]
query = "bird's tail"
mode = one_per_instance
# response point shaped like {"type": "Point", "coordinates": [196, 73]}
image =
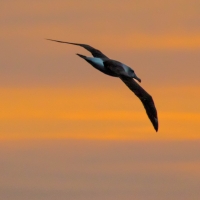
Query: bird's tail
{"type": "Point", "coordinates": [82, 56]}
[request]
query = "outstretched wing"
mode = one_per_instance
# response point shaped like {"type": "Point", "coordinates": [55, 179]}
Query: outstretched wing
{"type": "Point", "coordinates": [145, 98]}
{"type": "Point", "coordinates": [93, 51]}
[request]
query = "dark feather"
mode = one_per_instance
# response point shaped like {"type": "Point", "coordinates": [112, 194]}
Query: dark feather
{"type": "Point", "coordinates": [114, 66]}
{"type": "Point", "coordinates": [145, 98]}
{"type": "Point", "coordinates": [93, 51]}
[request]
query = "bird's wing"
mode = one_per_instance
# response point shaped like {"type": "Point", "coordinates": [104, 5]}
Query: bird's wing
{"type": "Point", "coordinates": [93, 51]}
{"type": "Point", "coordinates": [145, 98]}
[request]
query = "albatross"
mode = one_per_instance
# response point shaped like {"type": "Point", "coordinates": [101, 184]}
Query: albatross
{"type": "Point", "coordinates": [117, 69]}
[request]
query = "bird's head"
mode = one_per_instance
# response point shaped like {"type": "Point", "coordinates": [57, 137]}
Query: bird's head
{"type": "Point", "coordinates": [133, 75]}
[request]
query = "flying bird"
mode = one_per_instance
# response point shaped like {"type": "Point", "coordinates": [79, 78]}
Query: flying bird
{"type": "Point", "coordinates": [117, 69]}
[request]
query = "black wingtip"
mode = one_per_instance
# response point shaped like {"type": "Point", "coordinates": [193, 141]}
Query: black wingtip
{"type": "Point", "coordinates": [155, 124]}
{"type": "Point", "coordinates": [54, 40]}
{"type": "Point", "coordinates": [156, 128]}
{"type": "Point", "coordinates": [49, 39]}
{"type": "Point", "coordinates": [61, 41]}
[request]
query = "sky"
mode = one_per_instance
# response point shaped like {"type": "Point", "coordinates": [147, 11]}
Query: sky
{"type": "Point", "coordinates": [94, 169]}
{"type": "Point", "coordinates": [52, 98]}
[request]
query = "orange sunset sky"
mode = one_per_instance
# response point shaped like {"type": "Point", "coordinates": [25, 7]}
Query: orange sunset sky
{"type": "Point", "coordinates": [47, 91]}
{"type": "Point", "coordinates": [52, 101]}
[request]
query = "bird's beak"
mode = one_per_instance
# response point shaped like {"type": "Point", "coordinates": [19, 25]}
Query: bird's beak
{"type": "Point", "coordinates": [137, 78]}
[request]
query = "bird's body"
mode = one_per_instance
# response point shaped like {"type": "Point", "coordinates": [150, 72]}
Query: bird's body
{"type": "Point", "coordinates": [117, 69]}
{"type": "Point", "coordinates": [98, 64]}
